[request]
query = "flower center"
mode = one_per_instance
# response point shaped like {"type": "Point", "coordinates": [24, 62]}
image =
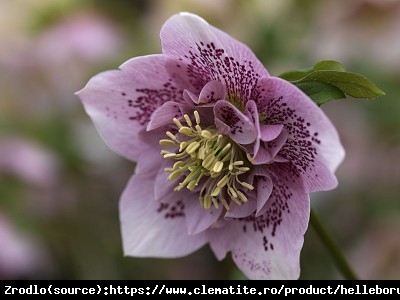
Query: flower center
{"type": "Point", "coordinates": [207, 162]}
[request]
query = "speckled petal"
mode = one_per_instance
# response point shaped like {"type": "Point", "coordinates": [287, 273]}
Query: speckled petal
{"type": "Point", "coordinates": [153, 229]}
{"type": "Point", "coordinates": [268, 247]}
{"type": "Point", "coordinates": [121, 102]}
{"type": "Point", "coordinates": [206, 53]}
{"type": "Point", "coordinates": [241, 128]}
{"type": "Point", "coordinates": [212, 92]}
{"type": "Point", "coordinates": [313, 144]}
{"type": "Point", "coordinates": [163, 115]}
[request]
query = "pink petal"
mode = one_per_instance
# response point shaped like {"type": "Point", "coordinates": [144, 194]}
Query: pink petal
{"type": "Point", "coordinates": [190, 97]}
{"type": "Point", "coordinates": [263, 157]}
{"type": "Point", "coordinates": [264, 190]}
{"type": "Point", "coordinates": [241, 128]}
{"type": "Point", "coordinates": [207, 53]}
{"type": "Point", "coordinates": [252, 112]}
{"type": "Point", "coordinates": [268, 247]}
{"type": "Point", "coordinates": [153, 229]}
{"type": "Point", "coordinates": [149, 162]}
{"type": "Point", "coordinates": [199, 219]}
{"type": "Point", "coordinates": [276, 145]}
{"type": "Point", "coordinates": [242, 211]}
{"type": "Point", "coordinates": [313, 144]}
{"type": "Point", "coordinates": [163, 115]}
{"type": "Point", "coordinates": [270, 132]}
{"type": "Point", "coordinates": [164, 188]}
{"type": "Point", "coordinates": [121, 102]}
{"type": "Point", "coordinates": [212, 92]}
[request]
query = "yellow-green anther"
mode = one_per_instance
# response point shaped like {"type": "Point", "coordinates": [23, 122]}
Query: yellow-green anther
{"type": "Point", "coordinates": [207, 201]}
{"type": "Point", "coordinates": [167, 143]}
{"type": "Point", "coordinates": [232, 192]}
{"type": "Point", "coordinates": [178, 188]}
{"type": "Point", "coordinates": [238, 163]}
{"type": "Point", "coordinates": [177, 122]}
{"type": "Point", "coordinates": [247, 185]}
{"type": "Point", "coordinates": [224, 180]}
{"type": "Point", "coordinates": [216, 192]}
{"type": "Point", "coordinates": [192, 147]}
{"type": "Point", "coordinates": [206, 134]}
{"type": "Point", "coordinates": [197, 117]}
{"type": "Point", "coordinates": [169, 155]}
{"type": "Point", "coordinates": [177, 165]}
{"type": "Point", "coordinates": [218, 166]}
{"type": "Point", "coordinates": [208, 161]}
{"type": "Point", "coordinates": [175, 174]}
{"type": "Point", "coordinates": [236, 200]}
{"type": "Point", "coordinates": [188, 121]}
{"type": "Point", "coordinates": [171, 136]}
{"type": "Point", "coordinates": [242, 196]}
{"type": "Point", "coordinates": [162, 152]}
{"type": "Point", "coordinates": [201, 154]}
{"type": "Point", "coordinates": [198, 128]}
{"type": "Point", "coordinates": [182, 146]}
{"type": "Point", "coordinates": [185, 130]}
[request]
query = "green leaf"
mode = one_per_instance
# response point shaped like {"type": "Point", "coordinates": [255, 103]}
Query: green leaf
{"type": "Point", "coordinates": [326, 65]}
{"type": "Point", "coordinates": [352, 84]}
{"type": "Point", "coordinates": [320, 65]}
{"type": "Point", "coordinates": [321, 92]}
{"type": "Point", "coordinates": [328, 80]}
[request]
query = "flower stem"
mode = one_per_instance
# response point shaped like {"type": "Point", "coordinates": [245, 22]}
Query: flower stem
{"type": "Point", "coordinates": [332, 247]}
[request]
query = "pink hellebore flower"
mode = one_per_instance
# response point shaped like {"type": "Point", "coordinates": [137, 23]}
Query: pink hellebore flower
{"type": "Point", "coordinates": [240, 151]}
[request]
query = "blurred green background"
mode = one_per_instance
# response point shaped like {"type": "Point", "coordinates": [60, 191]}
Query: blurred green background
{"type": "Point", "coordinates": [60, 184]}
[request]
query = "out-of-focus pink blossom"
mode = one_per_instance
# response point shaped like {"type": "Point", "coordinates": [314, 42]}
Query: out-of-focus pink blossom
{"type": "Point", "coordinates": [21, 255]}
{"type": "Point", "coordinates": [28, 161]}
{"type": "Point", "coordinates": [86, 36]}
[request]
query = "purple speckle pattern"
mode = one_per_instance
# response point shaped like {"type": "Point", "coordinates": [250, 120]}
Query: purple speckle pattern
{"type": "Point", "coordinates": [301, 146]}
{"type": "Point", "coordinates": [254, 266]}
{"type": "Point", "coordinates": [172, 210]}
{"type": "Point", "coordinates": [146, 101]}
{"type": "Point", "coordinates": [230, 118]}
{"type": "Point", "coordinates": [278, 204]}
{"type": "Point", "coordinates": [207, 62]}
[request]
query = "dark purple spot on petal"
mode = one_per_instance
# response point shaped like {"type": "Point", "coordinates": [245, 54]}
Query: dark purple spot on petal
{"type": "Point", "coordinates": [210, 63]}
{"type": "Point", "coordinates": [172, 211]}
{"type": "Point", "coordinates": [300, 148]}
{"type": "Point", "coordinates": [149, 100]}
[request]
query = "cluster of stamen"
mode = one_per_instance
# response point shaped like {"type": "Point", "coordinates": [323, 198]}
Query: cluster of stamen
{"type": "Point", "coordinates": [208, 162]}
